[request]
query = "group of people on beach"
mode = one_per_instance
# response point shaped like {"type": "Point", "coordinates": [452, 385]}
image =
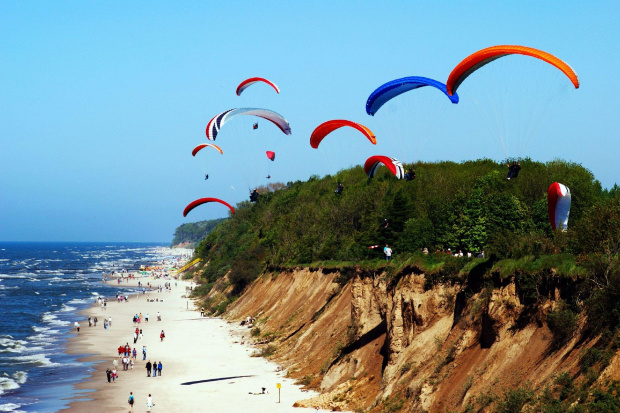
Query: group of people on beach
{"type": "Point", "coordinates": [154, 367]}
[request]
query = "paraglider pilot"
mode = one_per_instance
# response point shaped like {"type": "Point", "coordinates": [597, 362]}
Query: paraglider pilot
{"type": "Point", "coordinates": [254, 196]}
{"type": "Point", "coordinates": [339, 189]}
{"type": "Point", "coordinates": [513, 170]}
{"type": "Point", "coordinates": [206, 176]}
{"type": "Point", "coordinates": [410, 175]}
{"type": "Point", "coordinates": [255, 126]}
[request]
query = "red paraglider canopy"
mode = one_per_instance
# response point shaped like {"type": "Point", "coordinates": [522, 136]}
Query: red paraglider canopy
{"type": "Point", "coordinates": [328, 127]}
{"type": "Point", "coordinates": [393, 164]}
{"type": "Point", "coordinates": [271, 155]}
{"type": "Point", "coordinates": [201, 201]}
{"type": "Point", "coordinates": [249, 82]}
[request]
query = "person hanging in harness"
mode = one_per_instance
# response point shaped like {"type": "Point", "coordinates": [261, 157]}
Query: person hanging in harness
{"type": "Point", "coordinates": [410, 175]}
{"type": "Point", "coordinates": [254, 196]}
{"type": "Point", "coordinates": [206, 176]}
{"type": "Point", "coordinates": [513, 170]}
{"type": "Point", "coordinates": [255, 126]}
{"type": "Point", "coordinates": [339, 189]}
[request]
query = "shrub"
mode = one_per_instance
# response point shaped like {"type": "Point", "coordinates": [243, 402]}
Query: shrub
{"type": "Point", "coordinates": [561, 322]}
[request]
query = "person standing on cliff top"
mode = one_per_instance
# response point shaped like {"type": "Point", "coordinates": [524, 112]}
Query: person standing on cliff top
{"type": "Point", "coordinates": [388, 252]}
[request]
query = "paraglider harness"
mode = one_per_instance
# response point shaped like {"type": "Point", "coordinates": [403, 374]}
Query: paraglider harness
{"type": "Point", "coordinates": [254, 196]}
{"type": "Point", "coordinates": [339, 189]}
{"type": "Point", "coordinates": [513, 170]}
{"type": "Point", "coordinates": [255, 126]}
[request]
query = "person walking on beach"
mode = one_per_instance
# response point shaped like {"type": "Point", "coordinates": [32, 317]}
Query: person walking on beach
{"type": "Point", "coordinates": [140, 335]}
{"type": "Point", "coordinates": [159, 367]}
{"type": "Point", "coordinates": [154, 369]}
{"type": "Point", "coordinates": [130, 401]}
{"type": "Point", "coordinates": [143, 353]}
{"type": "Point", "coordinates": [162, 335]}
{"type": "Point", "coordinates": [108, 373]}
{"type": "Point", "coordinates": [148, 368]}
{"type": "Point", "coordinates": [149, 403]}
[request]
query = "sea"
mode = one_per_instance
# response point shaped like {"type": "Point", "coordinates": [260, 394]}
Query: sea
{"type": "Point", "coordinates": [43, 286]}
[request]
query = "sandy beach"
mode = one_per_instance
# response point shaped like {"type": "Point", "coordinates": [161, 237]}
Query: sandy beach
{"type": "Point", "coordinates": [205, 367]}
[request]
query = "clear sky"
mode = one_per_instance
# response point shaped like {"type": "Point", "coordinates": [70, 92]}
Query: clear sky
{"type": "Point", "coordinates": [102, 102]}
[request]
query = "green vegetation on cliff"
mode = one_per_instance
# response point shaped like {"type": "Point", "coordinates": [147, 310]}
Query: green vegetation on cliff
{"type": "Point", "coordinates": [194, 232]}
{"type": "Point", "coordinates": [468, 206]}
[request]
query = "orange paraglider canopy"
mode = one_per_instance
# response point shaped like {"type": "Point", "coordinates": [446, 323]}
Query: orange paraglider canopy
{"type": "Point", "coordinates": [328, 127]}
{"type": "Point", "coordinates": [204, 145]}
{"type": "Point", "coordinates": [480, 58]}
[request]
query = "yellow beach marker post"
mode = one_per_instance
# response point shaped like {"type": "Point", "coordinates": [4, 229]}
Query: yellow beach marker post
{"type": "Point", "coordinates": [279, 386]}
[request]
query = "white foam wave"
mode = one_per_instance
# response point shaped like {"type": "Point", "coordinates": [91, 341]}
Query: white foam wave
{"type": "Point", "coordinates": [65, 308]}
{"type": "Point", "coordinates": [36, 359]}
{"type": "Point", "coordinates": [7, 383]}
{"type": "Point", "coordinates": [53, 320]}
{"type": "Point", "coordinates": [10, 345]}
{"type": "Point", "coordinates": [8, 276]}
{"type": "Point", "coordinates": [79, 301]}
{"type": "Point", "coordinates": [9, 407]}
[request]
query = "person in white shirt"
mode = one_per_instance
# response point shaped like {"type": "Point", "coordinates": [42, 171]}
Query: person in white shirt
{"type": "Point", "coordinates": [388, 252]}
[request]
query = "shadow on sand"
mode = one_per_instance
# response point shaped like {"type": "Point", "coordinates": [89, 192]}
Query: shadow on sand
{"type": "Point", "coordinates": [188, 383]}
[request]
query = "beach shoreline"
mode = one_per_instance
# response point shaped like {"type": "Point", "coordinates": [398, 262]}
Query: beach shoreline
{"type": "Point", "coordinates": [204, 363]}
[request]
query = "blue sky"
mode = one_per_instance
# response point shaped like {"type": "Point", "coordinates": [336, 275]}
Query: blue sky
{"type": "Point", "coordinates": [102, 102]}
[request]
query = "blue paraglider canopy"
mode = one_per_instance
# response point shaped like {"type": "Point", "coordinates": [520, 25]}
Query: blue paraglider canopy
{"type": "Point", "coordinates": [396, 87]}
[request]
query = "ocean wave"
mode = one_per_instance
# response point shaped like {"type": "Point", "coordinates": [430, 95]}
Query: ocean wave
{"type": "Point", "coordinates": [12, 382]}
{"type": "Point", "coordinates": [80, 301]}
{"type": "Point", "coordinates": [36, 359]}
{"type": "Point", "coordinates": [66, 308]}
{"type": "Point", "coordinates": [9, 276]}
{"type": "Point", "coordinates": [9, 407]}
{"type": "Point", "coordinates": [53, 320]}
{"type": "Point", "coordinates": [49, 272]}
{"type": "Point", "coordinates": [20, 377]}
{"type": "Point", "coordinates": [10, 345]}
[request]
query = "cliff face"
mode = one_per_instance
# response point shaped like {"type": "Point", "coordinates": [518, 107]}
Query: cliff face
{"type": "Point", "coordinates": [375, 343]}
